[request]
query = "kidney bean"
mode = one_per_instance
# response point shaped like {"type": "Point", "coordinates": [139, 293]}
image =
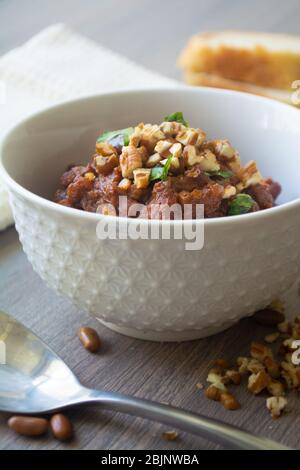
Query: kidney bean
{"type": "Point", "coordinates": [28, 426]}
{"type": "Point", "coordinates": [89, 338]}
{"type": "Point", "coordinates": [61, 427]}
{"type": "Point", "coordinates": [268, 317]}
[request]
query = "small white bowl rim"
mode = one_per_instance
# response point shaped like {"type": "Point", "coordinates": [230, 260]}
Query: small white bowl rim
{"type": "Point", "coordinates": [79, 214]}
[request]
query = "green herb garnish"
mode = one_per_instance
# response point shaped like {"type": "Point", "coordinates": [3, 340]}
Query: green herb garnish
{"type": "Point", "coordinates": [240, 204]}
{"type": "Point", "coordinates": [161, 172]}
{"type": "Point", "coordinates": [156, 173]}
{"type": "Point", "coordinates": [115, 138]}
{"type": "Point", "coordinates": [222, 174]}
{"type": "Point", "coordinates": [177, 117]}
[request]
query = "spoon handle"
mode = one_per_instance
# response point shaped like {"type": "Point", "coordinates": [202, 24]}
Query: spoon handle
{"type": "Point", "coordinates": [208, 428]}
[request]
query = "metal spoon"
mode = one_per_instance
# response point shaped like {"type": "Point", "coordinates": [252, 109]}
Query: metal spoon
{"type": "Point", "coordinates": [33, 380]}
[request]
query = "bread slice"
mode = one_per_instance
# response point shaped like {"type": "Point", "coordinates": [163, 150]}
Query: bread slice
{"type": "Point", "coordinates": [205, 79]}
{"type": "Point", "coordinates": [262, 59]}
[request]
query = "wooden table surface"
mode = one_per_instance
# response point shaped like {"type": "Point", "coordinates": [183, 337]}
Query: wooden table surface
{"type": "Point", "coordinates": [151, 33]}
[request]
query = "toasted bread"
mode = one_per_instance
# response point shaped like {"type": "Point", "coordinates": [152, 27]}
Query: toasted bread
{"type": "Point", "coordinates": [261, 59]}
{"type": "Point", "coordinates": [205, 79]}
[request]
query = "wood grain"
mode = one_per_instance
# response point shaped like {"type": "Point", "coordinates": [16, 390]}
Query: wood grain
{"type": "Point", "coordinates": [152, 33]}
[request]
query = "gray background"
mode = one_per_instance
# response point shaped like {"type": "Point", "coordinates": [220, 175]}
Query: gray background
{"type": "Point", "coordinates": [151, 32]}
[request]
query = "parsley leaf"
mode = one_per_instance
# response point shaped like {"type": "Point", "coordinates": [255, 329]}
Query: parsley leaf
{"type": "Point", "coordinates": [161, 172]}
{"type": "Point", "coordinates": [240, 204]}
{"type": "Point", "coordinates": [117, 138]}
{"type": "Point", "coordinates": [177, 117]}
{"type": "Point", "coordinates": [156, 173]}
{"type": "Point", "coordinates": [166, 168]}
{"type": "Point", "coordinates": [222, 174]}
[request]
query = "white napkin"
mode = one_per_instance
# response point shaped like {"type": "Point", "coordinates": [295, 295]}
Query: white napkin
{"type": "Point", "coordinates": [56, 65]}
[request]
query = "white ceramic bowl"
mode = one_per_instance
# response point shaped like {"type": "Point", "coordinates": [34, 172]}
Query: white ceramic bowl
{"type": "Point", "coordinates": [155, 289]}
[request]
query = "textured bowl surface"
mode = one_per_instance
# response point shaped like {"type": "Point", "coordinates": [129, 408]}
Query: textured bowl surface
{"type": "Point", "coordinates": [155, 289]}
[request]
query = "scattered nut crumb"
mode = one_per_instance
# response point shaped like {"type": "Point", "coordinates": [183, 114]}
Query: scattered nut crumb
{"type": "Point", "coordinates": [229, 401]}
{"type": "Point", "coordinates": [232, 376]}
{"type": "Point", "coordinates": [276, 388]}
{"type": "Point", "coordinates": [271, 338]}
{"type": "Point", "coordinates": [258, 382]}
{"type": "Point", "coordinates": [260, 351]}
{"type": "Point", "coordinates": [200, 386]}
{"type": "Point", "coordinates": [284, 327]}
{"type": "Point", "coordinates": [269, 371]}
{"type": "Point", "coordinates": [276, 405]}
{"type": "Point", "coordinates": [213, 393]}
{"type": "Point", "coordinates": [222, 363]}
{"type": "Point", "coordinates": [272, 366]}
{"type": "Point", "coordinates": [170, 435]}
{"type": "Point", "coordinates": [215, 377]}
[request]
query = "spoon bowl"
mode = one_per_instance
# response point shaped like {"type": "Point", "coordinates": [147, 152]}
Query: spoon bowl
{"type": "Point", "coordinates": [33, 379]}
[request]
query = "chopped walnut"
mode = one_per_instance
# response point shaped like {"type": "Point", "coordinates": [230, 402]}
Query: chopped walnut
{"type": "Point", "coordinates": [141, 177]}
{"type": "Point", "coordinates": [162, 147]}
{"type": "Point", "coordinates": [288, 344]}
{"type": "Point", "coordinates": [276, 405]}
{"type": "Point", "coordinates": [249, 175]}
{"type": "Point", "coordinates": [296, 331]}
{"type": "Point", "coordinates": [136, 136]}
{"type": "Point", "coordinates": [174, 163]}
{"type": "Point", "coordinates": [213, 393]}
{"type": "Point", "coordinates": [223, 148]}
{"type": "Point", "coordinates": [124, 184]}
{"type": "Point", "coordinates": [229, 191]}
{"type": "Point", "coordinates": [170, 435]}
{"type": "Point", "coordinates": [273, 367]}
{"type": "Point", "coordinates": [90, 176]}
{"type": "Point", "coordinates": [291, 375]}
{"type": "Point", "coordinates": [105, 149]}
{"type": "Point", "coordinates": [104, 165]}
{"type": "Point", "coordinates": [248, 365]}
{"type": "Point", "coordinates": [232, 376]}
{"type": "Point", "coordinates": [215, 378]}
{"type": "Point", "coordinates": [150, 136]}
{"type": "Point", "coordinates": [258, 382]}
{"type": "Point", "coordinates": [200, 138]}
{"type": "Point", "coordinates": [176, 150]}
{"type": "Point", "coordinates": [234, 163]}
{"type": "Point", "coordinates": [208, 161]}
{"type": "Point", "coordinates": [153, 160]}
{"type": "Point", "coordinates": [130, 159]}
{"type": "Point", "coordinates": [266, 372]}
{"type": "Point", "coordinates": [229, 401]}
{"type": "Point", "coordinates": [187, 136]}
{"type": "Point", "coordinates": [171, 129]}
{"type": "Point", "coordinates": [243, 363]}
{"type": "Point", "coordinates": [260, 351]}
{"type": "Point", "coordinates": [284, 327]}
{"type": "Point", "coordinates": [276, 388]}
{"type": "Point", "coordinates": [271, 338]}
{"type": "Point", "coordinates": [255, 366]}
{"type": "Point", "coordinates": [222, 363]}
{"type": "Point", "coordinates": [191, 156]}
